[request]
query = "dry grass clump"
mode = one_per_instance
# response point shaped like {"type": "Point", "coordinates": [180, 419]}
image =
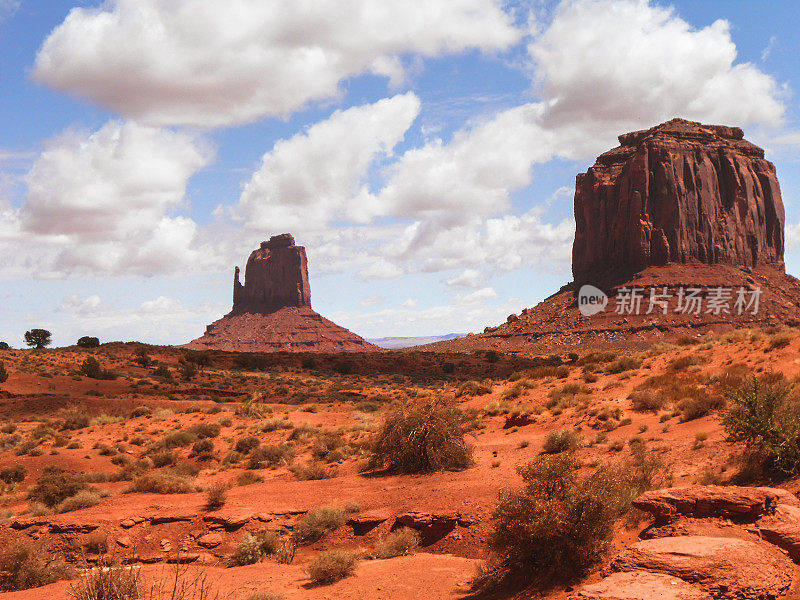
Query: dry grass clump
{"type": "Point", "coordinates": [562, 441]}
{"type": "Point", "coordinates": [331, 566]}
{"type": "Point", "coordinates": [422, 439]}
{"type": "Point", "coordinates": [647, 400]}
{"type": "Point", "coordinates": [216, 497]}
{"type": "Point", "coordinates": [83, 499]}
{"type": "Point", "coordinates": [401, 542]}
{"type": "Point", "coordinates": [316, 524]}
{"type": "Point", "coordinates": [473, 388]}
{"type": "Point", "coordinates": [25, 565]}
{"type": "Point", "coordinates": [109, 583]}
{"type": "Point", "coordinates": [275, 455]}
{"type": "Point", "coordinates": [254, 547]}
{"type": "Point", "coordinates": [779, 341]}
{"type": "Point", "coordinates": [162, 483]}
{"type": "Point", "coordinates": [622, 364]}
{"type": "Point", "coordinates": [56, 485]}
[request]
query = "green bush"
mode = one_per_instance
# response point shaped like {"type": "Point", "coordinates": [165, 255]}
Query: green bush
{"type": "Point", "coordinates": [56, 485]}
{"type": "Point", "coordinates": [188, 370]}
{"type": "Point", "coordinates": [3, 373]}
{"type": "Point", "coordinates": [163, 373]}
{"type": "Point", "coordinates": [331, 566]}
{"type": "Point", "coordinates": [92, 369]}
{"type": "Point", "coordinates": [763, 415]}
{"type": "Point", "coordinates": [25, 565]}
{"type": "Point", "coordinates": [422, 439]}
{"type": "Point", "coordinates": [88, 342]}
{"type": "Point", "coordinates": [556, 527]}
{"type": "Point", "coordinates": [38, 338]}
{"type": "Point", "coordinates": [4, 346]}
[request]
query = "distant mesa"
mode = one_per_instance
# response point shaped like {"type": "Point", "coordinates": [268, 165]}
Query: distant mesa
{"type": "Point", "coordinates": [272, 310]}
{"type": "Point", "coordinates": [681, 205]}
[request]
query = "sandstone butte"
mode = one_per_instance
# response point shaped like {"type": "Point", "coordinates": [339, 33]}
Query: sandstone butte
{"type": "Point", "coordinates": [272, 310]}
{"type": "Point", "coordinates": [680, 205]}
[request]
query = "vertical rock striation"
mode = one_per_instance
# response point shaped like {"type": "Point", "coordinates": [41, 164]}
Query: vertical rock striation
{"type": "Point", "coordinates": [680, 192]}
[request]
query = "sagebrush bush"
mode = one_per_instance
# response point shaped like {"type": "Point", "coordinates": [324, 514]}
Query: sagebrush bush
{"type": "Point", "coordinates": [473, 388]}
{"type": "Point", "coordinates": [92, 369]}
{"type": "Point", "coordinates": [216, 497]}
{"type": "Point", "coordinates": [647, 400]}
{"type": "Point", "coordinates": [263, 457]}
{"type": "Point", "coordinates": [556, 527]}
{"type": "Point", "coordinates": [162, 483]}
{"type": "Point", "coordinates": [254, 547]}
{"type": "Point", "coordinates": [317, 523]}
{"type": "Point", "coordinates": [13, 474]}
{"type": "Point", "coordinates": [561, 441]}
{"type": "Point", "coordinates": [109, 583]}
{"type": "Point", "coordinates": [422, 439]}
{"type": "Point", "coordinates": [765, 416]}
{"type": "Point", "coordinates": [401, 542]}
{"type": "Point", "coordinates": [56, 485]}
{"type": "Point", "coordinates": [25, 565]}
{"type": "Point", "coordinates": [83, 499]}
{"type": "Point", "coordinates": [331, 566]}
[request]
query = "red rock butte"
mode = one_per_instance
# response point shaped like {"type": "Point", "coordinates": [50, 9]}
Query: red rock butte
{"type": "Point", "coordinates": [681, 205]}
{"type": "Point", "coordinates": [272, 310]}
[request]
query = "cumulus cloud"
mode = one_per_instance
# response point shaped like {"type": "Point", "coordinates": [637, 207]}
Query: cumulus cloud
{"type": "Point", "coordinates": [202, 62]}
{"type": "Point", "coordinates": [468, 278]}
{"type": "Point", "coordinates": [318, 176]}
{"type": "Point", "coordinates": [104, 199]}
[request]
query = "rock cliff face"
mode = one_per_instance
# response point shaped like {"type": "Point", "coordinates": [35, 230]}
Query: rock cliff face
{"type": "Point", "coordinates": [276, 275]}
{"type": "Point", "coordinates": [680, 192]}
{"type": "Point", "coordinates": [272, 310]}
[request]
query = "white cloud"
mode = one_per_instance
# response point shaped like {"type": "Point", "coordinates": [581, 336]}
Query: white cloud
{"type": "Point", "coordinates": [478, 296]}
{"type": "Point", "coordinates": [161, 320]}
{"type": "Point", "coordinates": [611, 63]}
{"type": "Point", "coordinates": [371, 301]}
{"type": "Point", "coordinates": [318, 176]}
{"type": "Point", "coordinates": [410, 303]}
{"type": "Point", "coordinates": [8, 8]}
{"type": "Point", "coordinates": [102, 201]}
{"type": "Point", "coordinates": [468, 278]}
{"type": "Point", "coordinates": [207, 63]}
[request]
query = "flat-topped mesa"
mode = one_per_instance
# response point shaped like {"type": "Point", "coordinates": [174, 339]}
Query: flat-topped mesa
{"type": "Point", "coordinates": [679, 192]}
{"type": "Point", "coordinates": [276, 276]}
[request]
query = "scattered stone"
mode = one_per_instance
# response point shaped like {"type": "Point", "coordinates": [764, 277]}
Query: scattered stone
{"type": "Point", "coordinates": [210, 540]}
{"type": "Point", "coordinates": [124, 541]}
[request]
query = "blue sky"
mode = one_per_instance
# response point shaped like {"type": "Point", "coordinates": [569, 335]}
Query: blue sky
{"type": "Point", "coordinates": [424, 153]}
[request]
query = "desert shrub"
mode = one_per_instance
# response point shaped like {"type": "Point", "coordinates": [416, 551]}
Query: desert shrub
{"type": "Point", "coordinates": [4, 346]}
{"type": "Point", "coordinates": [178, 439]}
{"type": "Point", "coordinates": [422, 439]}
{"type": "Point", "coordinates": [331, 566]}
{"type": "Point", "coordinates": [75, 419]}
{"type": "Point", "coordinates": [216, 497]}
{"type": "Point", "coordinates": [141, 356]}
{"type": "Point", "coordinates": [83, 499]}
{"type": "Point", "coordinates": [38, 338]}
{"type": "Point", "coordinates": [3, 373]}
{"type": "Point", "coordinates": [562, 440]}
{"type": "Point", "coordinates": [342, 368]}
{"type": "Point", "coordinates": [316, 524]}
{"type": "Point", "coordinates": [162, 483]}
{"type": "Point", "coordinates": [248, 478]}
{"type": "Point", "coordinates": [205, 430]}
{"type": "Point", "coordinates": [163, 458]}
{"type": "Point", "coordinates": [246, 444]}
{"type": "Point", "coordinates": [699, 406]}
{"type": "Point", "coordinates": [25, 565]}
{"type": "Point", "coordinates": [311, 471]}
{"type": "Point", "coordinates": [275, 424]}
{"type": "Point", "coordinates": [96, 543]}
{"type": "Point", "coordinates": [254, 547]}
{"type": "Point", "coordinates": [13, 474]}
{"type": "Point", "coordinates": [473, 388]}
{"type": "Point", "coordinates": [763, 415]}
{"type": "Point", "coordinates": [556, 527]}
{"type": "Point", "coordinates": [109, 583]}
{"type": "Point", "coordinates": [163, 373]}
{"type": "Point", "coordinates": [779, 341]}
{"type": "Point", "coordinates": [199, 357]}
{"type": "Point", "coordinates": [56, 485]}
{"type": "Point", "coordinates": [252, 362]}
{"type": "Point", "coordinates": [265, 596]}
{"type": "Point", "coordinates": [448, 367]}
{"type": "Point", "coordinates": [401, 542]}
{"type": "Point", "coordinates": [88, 342]}
{"type": "Point", "coordinates": [92, 369]}
{"type": "Point", "coordinates": [624, 363]}
{"type": "Point", "coordinates": [141, 411]}
{"type": "Point", "coordinates": [188, 370]}
{"type": "Point", "coordinates": [647, 400]}
{"type": "Point", "coordinates": [491, 356]}
{"type": "Point", "coordinates": [263, 457]}
{"type": "Point", "coordinates": [681, 363]}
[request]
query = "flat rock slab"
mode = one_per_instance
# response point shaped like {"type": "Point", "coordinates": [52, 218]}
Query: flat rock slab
{"type": "Point", "coordinates": [641, 585]}
{"type": "Point", "coordinates": [724, 567]}
{"type": "Point", "coordinates": [782, 528]}
{"type": "Point", "coordinates": [713, 501]}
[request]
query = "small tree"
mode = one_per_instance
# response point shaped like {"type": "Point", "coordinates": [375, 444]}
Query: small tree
{"type": "Point", "coordinates": [141, 357]}
{"type": "Point", "coordinates": [38, 338]}
{"type": "Point", "coordinates": [3, 373]}
{"type": "Point", "coordinates": [198, 357]}
{"type": "Point", "coordinates": [4, 346]}
{"type": "Point", "coordinates": [88, 342]}
{"type": "Point", "coordinates": [188, 370]}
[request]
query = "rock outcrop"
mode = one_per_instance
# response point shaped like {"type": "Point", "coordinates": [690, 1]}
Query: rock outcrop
{"type": "Point", "coordinates": [677, 193]}
{"type": "Point", "coordinates": [272, 310]}
{"type": "Point", "coordinates": [681, 206]}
